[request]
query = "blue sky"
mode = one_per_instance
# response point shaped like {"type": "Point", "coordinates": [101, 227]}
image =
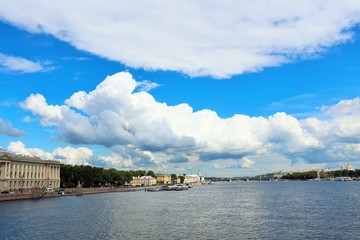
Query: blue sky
{"type": "Point", "coordinates": [231, 89]}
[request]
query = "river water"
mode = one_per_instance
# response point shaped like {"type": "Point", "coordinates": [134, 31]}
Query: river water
{"type": "Point", "coordinates": [235, 210]}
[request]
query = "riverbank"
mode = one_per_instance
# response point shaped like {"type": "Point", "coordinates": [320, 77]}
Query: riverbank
{"type": "Point", "coordinates": [38, 193]}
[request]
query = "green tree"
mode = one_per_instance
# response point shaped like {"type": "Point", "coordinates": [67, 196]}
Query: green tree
{"type": "Point", "coordinates": [301, 175]}
{"type": "Point", "coordinates": [151, 173]}
{"type": "Point", "coordinates": [98, 176]}
{"type": "Point", "coordinates": [87, 178]}
{"type": "Point", "coordinates": [138, 173]}
{"type": "Point", "coordinates": [173, 178]}
{"type": "Point", "coordinates": [182, 178]}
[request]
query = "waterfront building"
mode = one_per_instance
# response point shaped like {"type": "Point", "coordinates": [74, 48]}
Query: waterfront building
{"type": "Point", "coordinates": [194, 178]}
{"type": "Point", "coordinates": [163, 179]}
{"type": "Point", "coordinates": [19, 172]}
{"type": "Point", "coordinates": [349, 167]}
{"type": "Point", "coordinates": [143, 181]}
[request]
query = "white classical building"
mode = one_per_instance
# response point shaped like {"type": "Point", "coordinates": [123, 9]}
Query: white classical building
{"type": "Point", "coordinates": [19, 172]}
{"type": "Point", "coordinates": [143, 181]}
{"type": "Point", "coordinates": [349, 167]}
{"type": "Point", "coordinates": [194, 178]}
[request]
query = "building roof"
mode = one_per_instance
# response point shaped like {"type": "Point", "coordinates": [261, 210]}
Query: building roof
{"type": "Point", "coordinates": [3, 152]}
{"type": "Point", "coordinates": [8, 156]}
{"type": "Point", "coordinates": [143, 177]}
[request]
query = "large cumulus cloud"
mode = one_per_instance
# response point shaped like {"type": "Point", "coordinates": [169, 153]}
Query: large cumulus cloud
{"type": "Point", "coordinates": [139, 130]}
{"type": "Point", "coordinates": [217, 38]}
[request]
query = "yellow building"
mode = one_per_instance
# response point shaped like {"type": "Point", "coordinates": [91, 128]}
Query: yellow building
{"type": "Point", "coordinates": [163, 179]}
{"type": "Point", "coordinates": [19, 172]}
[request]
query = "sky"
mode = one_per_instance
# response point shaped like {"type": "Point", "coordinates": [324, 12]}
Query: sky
{"type": "Point", "coordinates": [227, 88]}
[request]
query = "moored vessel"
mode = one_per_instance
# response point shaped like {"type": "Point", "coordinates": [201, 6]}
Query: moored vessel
{"type": "Point", "coordinates": [343, 179]}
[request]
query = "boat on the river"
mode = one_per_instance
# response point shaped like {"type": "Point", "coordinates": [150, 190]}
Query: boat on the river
{"type": "Point", "coordinates": [153, 189]}
{"type": "Point", "coordinates": [343, 179]}
{"type": "Point", "coordinates": [177, 188]}
{"type": "Point", "coordinates": [168, 188]}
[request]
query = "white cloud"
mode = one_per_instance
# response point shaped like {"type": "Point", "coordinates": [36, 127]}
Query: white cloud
{"type": "Point", "coordinates": [247, 162]}
{"type": "Point", "coordinates": [344, 119]}
{"type": "Point", "coordinates": [147, 86]}
{"type": "Point", "coordinates": [233, 164]}
{"type": "Point", "coordinates": [19, 148]}
{"type": "Point", "coordinates": [7, 129]}
{"type": "Point", "coordinates": [217, 38]}
{"type": "Point", "coordinates": [288, 134]}
{"type": "Point", "coordinates": [71, 155]}
{"type": "Point", "coordinates": [142, 132]}
{"type": "Point", "coordinates": [66, 155]}
{"type": "Point", "coordinates": [117, 161]}
{"type": "Point", "coordinates": [28, 119]}
{"type": "Point", "coordinates": [38, 102]}
{"type": "Point", "coordinates": [344, 108]}
{"type": "Point", "coordinates": [74, 156]}
{"type": "Point", "coordinates": [22, 65]}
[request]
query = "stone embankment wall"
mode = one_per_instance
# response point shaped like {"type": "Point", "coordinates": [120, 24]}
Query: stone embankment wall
{"type": "Point", "coordinates": [107, 190]}
{"type": "Point", "coordinates": [37, 193]}
{"type": "Point", "coordinates": [15, 196]}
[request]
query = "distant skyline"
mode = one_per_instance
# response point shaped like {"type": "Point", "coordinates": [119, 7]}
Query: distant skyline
{"type": "Point", "coordinates": [230, 88]}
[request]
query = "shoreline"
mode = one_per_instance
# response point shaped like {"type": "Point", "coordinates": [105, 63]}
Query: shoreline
{"type": "Point", "coordinates": [67, 193]}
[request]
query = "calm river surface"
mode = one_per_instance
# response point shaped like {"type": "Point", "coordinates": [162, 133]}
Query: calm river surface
{"type": "Point", "coordinates": [236, 210]}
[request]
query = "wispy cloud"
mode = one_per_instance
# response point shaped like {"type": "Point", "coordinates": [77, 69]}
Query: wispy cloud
{"type": "Point", "coordinates": [28, 119]}
{"type": "Point", "coordinates": [147, 85]}
{"type": "Point", "coordinates": [22, 65]}
{"type": "Point", "coordinates": [79, 59]}
{"type": "Point", "coordinates": [295, 102]}
{"type": "Point", "coordinates": [8, 103]}
{"type": "Point", "coordinates": [7, 129]}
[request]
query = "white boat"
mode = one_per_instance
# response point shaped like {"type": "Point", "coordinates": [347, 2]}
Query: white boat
{"type": "Point", "coordinates": [343, 179]}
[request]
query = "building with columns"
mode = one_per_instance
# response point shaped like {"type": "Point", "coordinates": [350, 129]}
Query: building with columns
{"type": "Point", "coordinates": [143, 181]}
{"type": "Point", "coordinates": [163, 179]}
{"type": "Point", "coordinates": [19, 172]}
